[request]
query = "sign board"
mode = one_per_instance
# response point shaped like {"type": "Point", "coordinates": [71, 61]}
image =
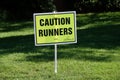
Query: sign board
{"type": "Point", "coordinates": [55, 28]}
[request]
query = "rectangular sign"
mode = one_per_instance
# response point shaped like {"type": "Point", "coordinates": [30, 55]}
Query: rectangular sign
{"type": "Point", "coordinates": [55, 28]}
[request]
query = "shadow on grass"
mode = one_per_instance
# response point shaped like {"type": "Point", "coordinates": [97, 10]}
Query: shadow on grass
{"type": "Point", "coordinates": [78, 55]}
{"type": "Point", "coordinates": [93, 18]}
{"type": "Point", "coordinates": [100, 37]}
{"type": "Point", "coordinates": [14, 26]}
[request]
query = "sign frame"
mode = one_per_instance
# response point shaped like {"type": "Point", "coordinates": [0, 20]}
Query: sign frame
{"type": "Point", "coordinates": [54, 13]}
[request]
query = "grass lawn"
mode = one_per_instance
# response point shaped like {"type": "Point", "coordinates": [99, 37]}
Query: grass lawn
{"type": "Point", "coordinates": [96, 56]}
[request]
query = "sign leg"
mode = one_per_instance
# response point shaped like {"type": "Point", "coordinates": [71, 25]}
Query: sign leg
{"type": "Point", "coordinates": [55, 58]}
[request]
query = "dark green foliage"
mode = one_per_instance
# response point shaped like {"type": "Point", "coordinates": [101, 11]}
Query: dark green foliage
{"type": "Point", "coordinates": [97, 5]}
{"type": "Point", "coordinates": [21, 10]}
{"type": "Point", "coordinates": [24, 9]}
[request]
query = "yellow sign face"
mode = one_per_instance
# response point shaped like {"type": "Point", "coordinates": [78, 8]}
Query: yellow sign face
{"type": "Point", "coordinates": [55, 28]}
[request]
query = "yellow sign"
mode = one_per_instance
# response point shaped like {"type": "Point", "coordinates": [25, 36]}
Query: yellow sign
{"type": "Point", "coordinates": [55, 28]}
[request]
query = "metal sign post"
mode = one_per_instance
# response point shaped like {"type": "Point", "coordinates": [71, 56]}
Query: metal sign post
{"type": "Point", "coordinates": [55, 58]}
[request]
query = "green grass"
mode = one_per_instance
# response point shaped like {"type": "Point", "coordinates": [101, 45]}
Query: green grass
{"type": "Point", "coordinates": [96, 56]}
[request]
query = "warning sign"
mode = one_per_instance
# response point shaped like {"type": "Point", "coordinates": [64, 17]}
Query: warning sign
{"type": "Point", "coordinates": [55, 28]}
